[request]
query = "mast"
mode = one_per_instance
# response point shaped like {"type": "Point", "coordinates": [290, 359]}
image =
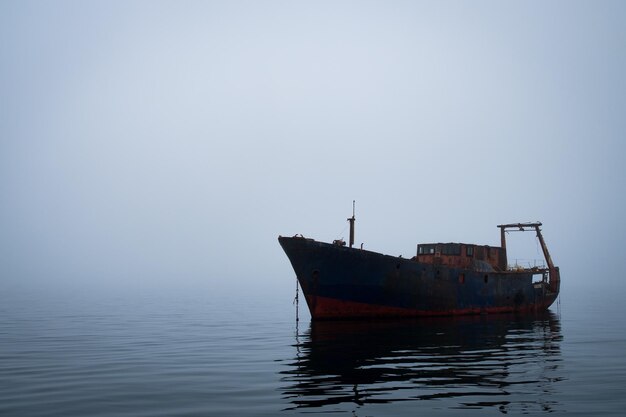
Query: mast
{"type": "Point", "coordinates": [351, 220]}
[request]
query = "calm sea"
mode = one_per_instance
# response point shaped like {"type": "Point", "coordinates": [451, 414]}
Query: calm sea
{"type": "Point", "coordinates": [176, 353]}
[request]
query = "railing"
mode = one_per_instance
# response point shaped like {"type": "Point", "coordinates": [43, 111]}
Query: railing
{"type": "Point", "coordinates": [520, 264]}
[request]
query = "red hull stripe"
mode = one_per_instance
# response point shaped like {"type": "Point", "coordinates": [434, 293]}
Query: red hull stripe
{"type": "Point", "coordinates": [331, 308]}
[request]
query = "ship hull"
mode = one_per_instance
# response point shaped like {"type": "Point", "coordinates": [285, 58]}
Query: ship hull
{"type": "Point", "coordinates": [340, 282]}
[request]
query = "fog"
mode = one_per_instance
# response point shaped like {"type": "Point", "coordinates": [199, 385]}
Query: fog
{"type": "Point", "coordinates": [168, 144]}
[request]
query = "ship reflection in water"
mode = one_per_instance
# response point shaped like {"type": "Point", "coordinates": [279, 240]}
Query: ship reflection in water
{"type": "Point", "coordinates": [501, 362]}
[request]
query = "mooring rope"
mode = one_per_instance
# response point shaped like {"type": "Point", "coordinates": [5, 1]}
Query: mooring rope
{"type": "Point", "coordinates": [296, 300]}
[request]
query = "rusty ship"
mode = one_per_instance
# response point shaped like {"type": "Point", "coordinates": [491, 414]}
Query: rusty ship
{"type": "Point", "coordinates": [341, 281]}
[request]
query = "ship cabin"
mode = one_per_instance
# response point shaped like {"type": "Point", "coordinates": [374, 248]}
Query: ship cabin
{"type": "Point", "coordinates": [462, 255]}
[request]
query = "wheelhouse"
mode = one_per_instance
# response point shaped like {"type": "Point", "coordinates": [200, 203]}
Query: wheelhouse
{"type": "Point", "coordinates": [461, 255]}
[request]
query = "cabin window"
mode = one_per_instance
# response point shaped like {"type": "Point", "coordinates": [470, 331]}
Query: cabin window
{"type": "Point", "coordinates": [451, 249]}
{"type": "Point", "coordinates": [486, 278]}
{"type": "Point", "coordinates": [426, 249]}
{"type": "Point", "coordinates": [469, 250]}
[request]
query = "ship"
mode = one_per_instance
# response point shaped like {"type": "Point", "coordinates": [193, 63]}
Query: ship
{"type": "Point", "coordinates": [340, 281]}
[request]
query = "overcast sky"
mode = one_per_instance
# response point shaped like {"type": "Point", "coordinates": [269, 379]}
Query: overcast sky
{"type": "Point", "coordinates": [170, 143]}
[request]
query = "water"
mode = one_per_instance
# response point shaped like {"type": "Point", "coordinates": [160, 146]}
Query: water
{"type": "Point", "coordinates": [195, 354]}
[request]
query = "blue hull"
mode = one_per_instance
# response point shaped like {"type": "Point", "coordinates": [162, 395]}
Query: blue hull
{"type": "Point", "coordinates": [340, 282]}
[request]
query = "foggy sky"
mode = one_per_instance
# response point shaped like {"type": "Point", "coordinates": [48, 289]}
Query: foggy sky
{"type": "Point", "coordinates": [170, 143]}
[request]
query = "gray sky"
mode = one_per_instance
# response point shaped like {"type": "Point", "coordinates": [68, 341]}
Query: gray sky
{"type": "Point", "coordinates": [170, 143]}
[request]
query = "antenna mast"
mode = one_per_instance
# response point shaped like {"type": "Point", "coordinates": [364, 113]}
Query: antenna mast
{"type": "Point", "coordinates": [351, 220]}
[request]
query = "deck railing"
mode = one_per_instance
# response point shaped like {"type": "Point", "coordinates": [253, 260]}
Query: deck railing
{"type": "Point", "coordinates": [527, 264]}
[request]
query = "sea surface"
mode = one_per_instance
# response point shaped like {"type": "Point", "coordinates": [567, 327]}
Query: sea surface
{"type": "Point", "coordinates": [239, 353]}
